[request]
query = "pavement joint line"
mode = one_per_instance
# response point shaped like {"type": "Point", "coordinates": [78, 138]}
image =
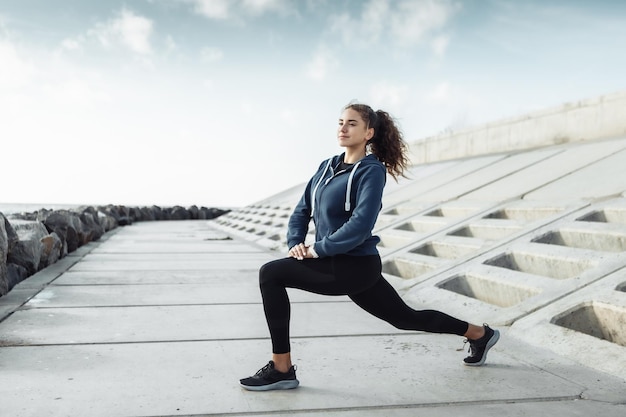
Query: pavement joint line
{"type": "Point", "coordinates": [76, 257]}
{"type": "Point", "coordinates": [384, 407]}
{"type": "Point", "coordinates": [175, 253]}
{"type": "Point", "coordinates": [231, 339]}
{"type": "Point", "coordinates": [89, 306]}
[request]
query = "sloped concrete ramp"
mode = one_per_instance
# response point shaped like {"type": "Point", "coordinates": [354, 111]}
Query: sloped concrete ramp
{"type": "Point", "coordinates": [510, 239]}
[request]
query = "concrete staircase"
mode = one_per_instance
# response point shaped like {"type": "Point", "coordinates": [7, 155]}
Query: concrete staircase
{"type": "Point", "coordinates": [528, 237]}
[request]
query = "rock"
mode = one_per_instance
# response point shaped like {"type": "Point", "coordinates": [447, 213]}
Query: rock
{"type": "Point", "coordinates": [180, 213]}
{"type": "Point", "coordinates": [91, 225]}
{"type": "Point", "coordinates": [28, 249]}
{"type": "Point", "coordinates": [211, 213]}
{"type": "Point", "coordinates": [158, 212]}
{"type": "Point", "coordinates": [147, 214]}
{"type": "Point", "coordinates": [4, 250]}
{"type": "Point", "coordinates": [119, 213]}
{"type": "Point", "coordinates": [193, 212]}
{"type": "Point", "coordinates": [16, 274]}
{"type": "Point", "coordinates": [30, 242]}
{"type": "Point", "coordinates": [107, 221]}
{"type": "Point", "coordinates": [52, 250]}
{"type": "Point", "coordinates": [62, 224]}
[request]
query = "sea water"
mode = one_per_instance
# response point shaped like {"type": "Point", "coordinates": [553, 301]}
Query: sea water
{"type": "Point", "coordinates": [9, 208]}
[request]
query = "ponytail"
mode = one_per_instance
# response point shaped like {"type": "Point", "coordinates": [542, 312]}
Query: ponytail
{"type": "Point", "coordinates": [387, 143]}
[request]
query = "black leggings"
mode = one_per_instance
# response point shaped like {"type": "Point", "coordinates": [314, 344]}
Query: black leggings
{"type": "Point", "coordinates": [358, 277]}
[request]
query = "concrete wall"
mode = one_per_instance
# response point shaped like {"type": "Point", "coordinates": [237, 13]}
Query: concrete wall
{"type": "Point", "coordinates": [598, 118]}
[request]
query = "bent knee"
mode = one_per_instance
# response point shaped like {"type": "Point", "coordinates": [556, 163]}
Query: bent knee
{"type": "Point", "coordinates": [272, 270]}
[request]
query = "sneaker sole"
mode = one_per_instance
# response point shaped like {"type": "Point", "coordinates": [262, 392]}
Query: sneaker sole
{"type": "Point", "coordinates": [494, 339]}
{"type": "Point", "coordinates": [288, 384]}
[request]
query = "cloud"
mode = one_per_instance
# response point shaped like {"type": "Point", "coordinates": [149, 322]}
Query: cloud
{"type": "Point", "coordinates": [367, 28]}
{"type": "Point", "coordinates": [14, 71]}
{"type": "Point", "coordinates": [440, 44]}
{"type": "Point", "coordinates": [322, 63]}
{"type": "Point", "coordinates": [412, 21]}
{"type": "Point", "coordinates": [70, 44]}
{"type": "Point", "coordinates": [405, 23]}
{"type": "Point", "coordinates": [387, 95]}
{"type": "Point", "coordinates": [259, 7]}
{"type": "Point", "coordinates": [127, 29]}
{"type": "Point", "coordinates": [210, 54]}
{"type": "Point", "coordinates": [213, 9]}
{"type": "Point", "coordinates": [234, 9]}
{"type": "Point", "coordinates": [441, 92]}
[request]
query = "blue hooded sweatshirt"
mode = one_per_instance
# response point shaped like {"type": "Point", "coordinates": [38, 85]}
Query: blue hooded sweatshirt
{"type": "Point", "coordinates": [344, 206]}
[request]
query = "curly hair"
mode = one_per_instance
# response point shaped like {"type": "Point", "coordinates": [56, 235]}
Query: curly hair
{"type": "Point", "coordinates": [387, 143]}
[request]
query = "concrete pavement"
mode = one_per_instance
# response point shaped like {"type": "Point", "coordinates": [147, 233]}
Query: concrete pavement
{"type": "Point", "coordinates": [163, 318]}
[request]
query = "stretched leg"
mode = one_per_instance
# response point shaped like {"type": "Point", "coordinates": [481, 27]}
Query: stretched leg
{"type": "Point", "coordinates": [382, 301]}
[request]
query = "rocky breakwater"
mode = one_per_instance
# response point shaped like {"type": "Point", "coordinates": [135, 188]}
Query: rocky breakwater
{"type": "Point", "coordinates": [29, 242]}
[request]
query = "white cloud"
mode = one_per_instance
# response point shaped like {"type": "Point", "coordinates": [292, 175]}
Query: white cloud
{"type": "Point", "coordinates": [440, 45]}
{"type": "Point", "coordinates": [213, 9]}
{"type": "Point", "coordinates": [440, 93]}
{"type": "Point", "coordinates": [70, 44]}
{"type": "Point", "coordinates": [405, 23]}
{"type": "Point", "coordinates": [78, 92]}
{"type": "Point", "coordinates": [387, 95]}
{"type": "Point", "coordinates": [14, 71]}
{"type": "Point", "coordinates": [322, 63]}
{"type": "Point", "coordinates": [128, 29]}
{"type": "Point", "coordinates": [210, 54]}
{"type": "Point", "coordinates": [365, 29]}
{"type": "Point", "coordinates": [412, 21]}
{"type": "Point", "coordinates": [258, 7]}
{"type": "Point", "coordinates": [234, 9]}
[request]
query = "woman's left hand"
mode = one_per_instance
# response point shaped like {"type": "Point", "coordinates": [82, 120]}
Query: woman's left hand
{"type": "Point", "coordinates": [300, 251]}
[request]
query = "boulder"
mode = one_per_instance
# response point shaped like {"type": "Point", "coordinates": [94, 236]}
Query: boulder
{"type": "Point", "coordinates": [107, 221]}
{"type": "Point", "coordinates": [16, 274]}
{"type": "Point", "coordinates": [211, 213]}
{"type": "Point", "coordinates": [147, 214]}
{"type": "Point", "coordinates": [193, 212]}
{"type": "Point", "coordinates": [158, 212]}
{"type": "Point", "coordinates": [180, 213]}
{"type": "Point", "coordinates": [63, 224]}
{"type": "Point", "coordinates": [28, 249]}
{"type": "Point", "coordinates": [4, 250]}
{"type": "Point", "coordinates": [91, 225]}
{"type": "Point", "coordinates": [120, 213]}
{"type": "Point", "coordinates": [52, 250]}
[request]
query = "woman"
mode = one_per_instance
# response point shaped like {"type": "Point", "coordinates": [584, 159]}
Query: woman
{"type": "Point", "coordinates": [344, 198]}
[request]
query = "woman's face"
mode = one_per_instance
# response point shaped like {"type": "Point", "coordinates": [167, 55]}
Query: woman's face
{"type": "Point", "coordinates": [352, 131]}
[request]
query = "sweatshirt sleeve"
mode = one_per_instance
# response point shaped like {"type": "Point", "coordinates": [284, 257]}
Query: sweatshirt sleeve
{"type": "Point", "coordinates": [359, 227]}
{"type": "Point", "coordinates": [298, 225]}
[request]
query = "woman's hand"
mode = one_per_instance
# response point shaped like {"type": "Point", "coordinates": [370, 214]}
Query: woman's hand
{"type": "Point", "coordinates": [300, 251]}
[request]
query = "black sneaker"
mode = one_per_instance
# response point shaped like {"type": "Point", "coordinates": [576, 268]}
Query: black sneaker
{"type": "Point", "coordinates": [268, 378]}
{"type": "Point", "coordinates": [478, 348]}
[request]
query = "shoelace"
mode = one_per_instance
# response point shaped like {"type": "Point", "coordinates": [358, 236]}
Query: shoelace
{"type": "Point", "coordinates": [472, 344]}
{"type": "Point", "coordinates": [264, 371]}
{"type": "Point", "coordinates": [470, 349]}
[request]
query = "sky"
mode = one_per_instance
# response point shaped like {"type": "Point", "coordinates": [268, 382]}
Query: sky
{"type": "Point", "coordinates": [223, 103]}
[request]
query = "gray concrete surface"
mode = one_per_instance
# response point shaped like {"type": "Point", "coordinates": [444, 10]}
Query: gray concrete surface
{"type": "Point", "coordinates": [163, 318]}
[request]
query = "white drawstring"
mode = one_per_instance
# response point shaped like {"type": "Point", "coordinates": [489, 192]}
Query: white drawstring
{"type": "Point", "coordinates": [349, 187]}
{"type": "Point", "coordinates": [317, 185]}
